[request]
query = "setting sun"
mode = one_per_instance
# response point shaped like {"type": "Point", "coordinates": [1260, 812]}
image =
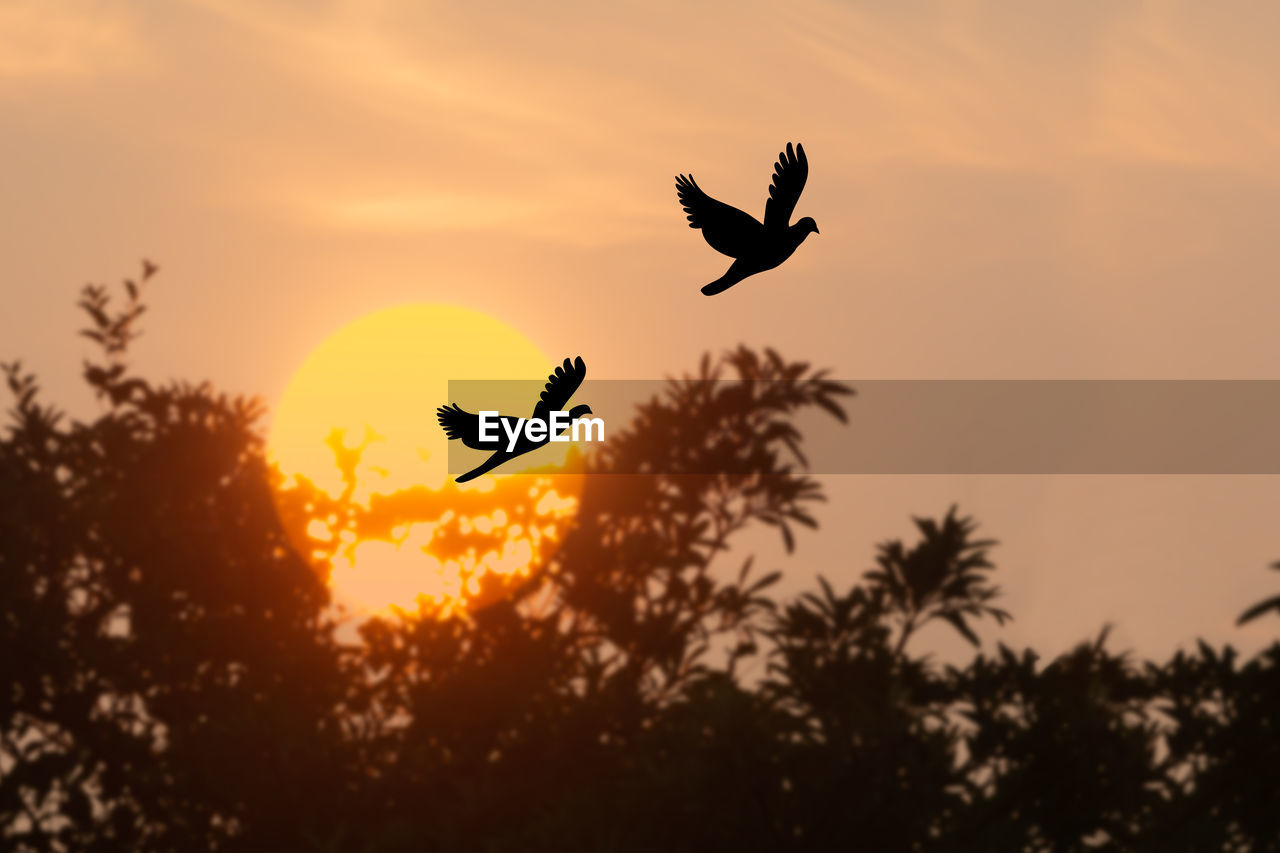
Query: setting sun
{"type": "Point", "coordinates": [365, 490]}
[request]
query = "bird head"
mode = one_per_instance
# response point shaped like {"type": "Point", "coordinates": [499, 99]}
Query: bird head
{"type": "Point", "coordinates": [807, 224]}
{"type": "Point", "coordinates": [579, 412]}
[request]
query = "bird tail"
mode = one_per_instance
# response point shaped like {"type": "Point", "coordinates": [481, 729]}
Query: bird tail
{"type": "Point", "coordinates": [488, 465]}
{"type": "Point", "coordinates": [721, 284]}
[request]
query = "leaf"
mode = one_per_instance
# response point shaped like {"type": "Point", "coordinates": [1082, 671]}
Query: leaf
{"type": "Point", "coordinates": [804, 518]}
{"type": "Point", "coordinates": [1258, 609]}
{"type": "Point", "coordinates": [835, 409]}
{"type": "Point", "coordinates": [957, 622]}
{"type": "Point", "coordinates": [766, 581]}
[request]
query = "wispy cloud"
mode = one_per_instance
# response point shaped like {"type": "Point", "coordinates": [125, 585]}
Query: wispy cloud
{"type": "Point", "coordinates": [57, 41]}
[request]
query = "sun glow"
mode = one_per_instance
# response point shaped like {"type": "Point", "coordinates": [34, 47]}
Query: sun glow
{"type": "Point", "coordinates": [364, 488]}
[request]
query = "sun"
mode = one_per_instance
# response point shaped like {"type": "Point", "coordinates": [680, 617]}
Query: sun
{"type": "Point", "coordinates": [364, 489]}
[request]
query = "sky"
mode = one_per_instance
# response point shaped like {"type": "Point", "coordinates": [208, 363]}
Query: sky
{"type": "Point", "coordinates": [1082, 190]}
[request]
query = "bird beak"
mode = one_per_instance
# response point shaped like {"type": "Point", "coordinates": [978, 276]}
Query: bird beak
{"type": "Point", "coordinates": [815, 230]}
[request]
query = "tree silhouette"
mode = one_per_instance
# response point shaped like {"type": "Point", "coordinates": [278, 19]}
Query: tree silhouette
{"type": "Point", "coordinates": [173, 677]}
{"type": "Point", "coordinates": [170, 681]}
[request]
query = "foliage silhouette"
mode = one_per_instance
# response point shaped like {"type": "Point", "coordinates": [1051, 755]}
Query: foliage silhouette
{"type": "Point", "coordinates": [173, 678]}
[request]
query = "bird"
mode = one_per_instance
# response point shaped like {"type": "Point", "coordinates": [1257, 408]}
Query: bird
{"type": "Point", "coordinates": [755, 247]}
{"type": "Point", "coordinates": [465, 426]}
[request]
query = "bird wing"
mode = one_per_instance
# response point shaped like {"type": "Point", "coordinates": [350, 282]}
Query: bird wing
{"type": "Point", "coordinates": [789, 175]}
{"type": "Point", "coordinates": [458, 423]}
{"type": "Point", "coordinates": [729, 231]}
{"type": "Point", "coordinates": [561, 385]}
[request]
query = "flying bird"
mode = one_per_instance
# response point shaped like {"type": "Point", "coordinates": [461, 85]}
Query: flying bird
{"type": "Point", "coordinates": [736, 233]}
{"type": "Point", "coordinates": [460, 424]}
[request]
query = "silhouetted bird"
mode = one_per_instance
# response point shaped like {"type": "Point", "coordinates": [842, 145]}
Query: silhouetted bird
{"type": "Point", "coordinates": [737, 234]}
{"type": "Point", "coordinates": [463, 425]}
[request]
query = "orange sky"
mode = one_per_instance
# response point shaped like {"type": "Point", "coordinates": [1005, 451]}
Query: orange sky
{"type": "Point", "coordinates": [1002, 191]}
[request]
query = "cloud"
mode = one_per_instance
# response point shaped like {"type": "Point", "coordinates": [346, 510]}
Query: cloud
{"type": "Point", "coordinates": [1185, 85]}
{"type": "Point", "coordinates": [422, 212]}
{"type": "Point", "coordinates": [48, 41]}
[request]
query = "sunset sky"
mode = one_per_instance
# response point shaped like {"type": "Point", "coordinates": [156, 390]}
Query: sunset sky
{"type": "Point", "coordinates": [1003, 191]}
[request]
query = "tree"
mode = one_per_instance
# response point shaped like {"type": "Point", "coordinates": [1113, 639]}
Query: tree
{"type": "Point", "coordinates": [172, 679]}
